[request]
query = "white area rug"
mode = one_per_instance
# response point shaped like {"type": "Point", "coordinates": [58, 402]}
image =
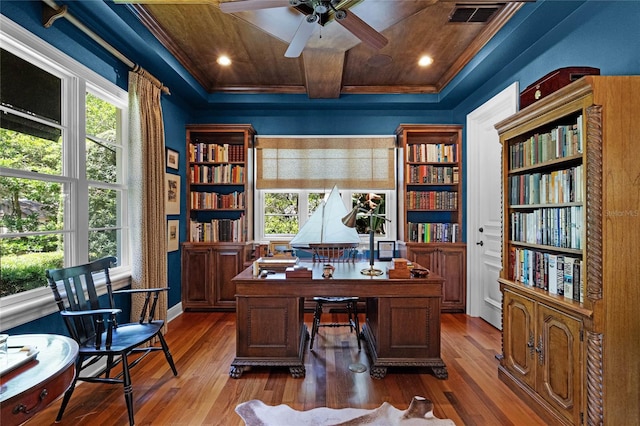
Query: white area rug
{"type": "Point", "coordinates": [419, 413]}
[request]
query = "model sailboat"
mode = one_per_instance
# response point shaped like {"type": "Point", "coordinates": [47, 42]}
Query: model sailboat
{"type": "Point", "coordinates": [325, 235]}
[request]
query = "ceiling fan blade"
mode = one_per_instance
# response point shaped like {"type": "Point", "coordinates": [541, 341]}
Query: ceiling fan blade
{"type": "Point", "coordinates": [244, 5]}
{"type": "Point", "coordinates": [300, 38]}
{"type": "Point", "coordinates": [366, 33]}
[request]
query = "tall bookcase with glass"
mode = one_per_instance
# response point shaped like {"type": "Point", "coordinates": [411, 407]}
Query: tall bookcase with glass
{"type": "Point", "coordinates": [569, 277]}
{"type": "Point", "coordinates": [219, 200]}
{"type": "Point", "coordinates": [430, 205]}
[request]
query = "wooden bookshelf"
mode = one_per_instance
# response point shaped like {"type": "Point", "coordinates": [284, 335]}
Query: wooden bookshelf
{"type": "Point", "coordinates": [569, 277]}
{"type": "Point", "coordinates": [430, 204]}
{"type": "Point", "coordinates": [219, 201]}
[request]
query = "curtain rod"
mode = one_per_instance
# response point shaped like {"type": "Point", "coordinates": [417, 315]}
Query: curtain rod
{"type": "Point", "coordinates": [53, 12]}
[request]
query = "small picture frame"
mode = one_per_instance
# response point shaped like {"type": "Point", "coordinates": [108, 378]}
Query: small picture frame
{"type": "Point", "coordinates": [172, 193]}
{"type": "Point", "coordinates": [386, 250]}
{"type": "Point", "coordinates": [173, 158]}
{"type": "Point", "coordinates": [173, 235]}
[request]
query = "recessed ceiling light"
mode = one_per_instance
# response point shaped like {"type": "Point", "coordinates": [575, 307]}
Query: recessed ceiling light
{"type": "Point", "coordinates": [224, 61]}
{"type": "Point", "coordinates": [425, 61]}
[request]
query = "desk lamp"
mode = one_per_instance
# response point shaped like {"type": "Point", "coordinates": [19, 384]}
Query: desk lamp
{"type": "Point", "coordinates": [350, 221]}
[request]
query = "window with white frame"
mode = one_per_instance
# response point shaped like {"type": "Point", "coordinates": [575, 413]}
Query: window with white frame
{"type": "Point", "coordinates": [63, 171]}
{"type": "Point", "coordinates": [289, 171]}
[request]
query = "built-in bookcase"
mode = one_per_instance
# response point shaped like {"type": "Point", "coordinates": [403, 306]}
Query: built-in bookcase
{"type": "Point", "coordinates": [569, 277]}
{"type": "Point", "coordinates": [431, 191]}
{"type": "Point", "coordinates": [217, 183]}
{"type": "Point", "coordinates": [219, 206]}
{"type": "Point", "coordinates": [430, 205]}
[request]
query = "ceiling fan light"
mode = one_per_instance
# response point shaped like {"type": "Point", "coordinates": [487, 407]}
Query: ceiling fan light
{"type": "Point", "coordinates": [425, 61]}
{"type": "Point", "coordinates": [224, 60]}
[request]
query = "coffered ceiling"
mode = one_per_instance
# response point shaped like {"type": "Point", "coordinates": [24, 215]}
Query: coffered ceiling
{"type": "Point", "coordinates": [333, 61]}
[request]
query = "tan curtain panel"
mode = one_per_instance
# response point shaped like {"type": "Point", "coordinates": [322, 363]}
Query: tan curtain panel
{"type": "Point", "coordinates": [322, 162]}
{"type": "Point", "coordinates": [147, 177]}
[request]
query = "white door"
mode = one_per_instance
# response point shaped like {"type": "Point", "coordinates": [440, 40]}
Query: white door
{"type": "Point", "coordinates": [484, 219]}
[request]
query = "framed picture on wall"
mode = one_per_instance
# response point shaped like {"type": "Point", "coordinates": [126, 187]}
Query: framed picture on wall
{"type": "Point", "coordinates": [386, 250]}
{"type": "Point", "coordinates": [172, 159]}
{"type": "Point", "coordinates": [172, 193]}
{"type": "Point", "coordinates": [173, 235]}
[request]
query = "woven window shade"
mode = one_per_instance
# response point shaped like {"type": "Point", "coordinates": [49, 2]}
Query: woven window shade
{"type": "Point", "coordinates": [322, 162]}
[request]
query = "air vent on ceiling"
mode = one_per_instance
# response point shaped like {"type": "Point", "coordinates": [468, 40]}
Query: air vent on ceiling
{"type": "Point", "coordinates": [474, 13]}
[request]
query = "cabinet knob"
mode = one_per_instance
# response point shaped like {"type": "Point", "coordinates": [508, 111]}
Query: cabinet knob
{"type": "Point", "coordinates": [481, 229]}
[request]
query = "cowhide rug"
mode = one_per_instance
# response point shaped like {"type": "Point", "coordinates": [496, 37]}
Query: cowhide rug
{"type": "Point", "coordinates": [419, 413]}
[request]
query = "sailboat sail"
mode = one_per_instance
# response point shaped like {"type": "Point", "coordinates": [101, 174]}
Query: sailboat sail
{"type": "Point", "coordinates": [325, 225]}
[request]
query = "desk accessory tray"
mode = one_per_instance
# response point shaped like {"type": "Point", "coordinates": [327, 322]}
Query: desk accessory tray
{"type": "Point", "coordinates": [18, 356]}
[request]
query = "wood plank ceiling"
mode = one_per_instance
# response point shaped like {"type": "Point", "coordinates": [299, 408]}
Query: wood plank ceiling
{"type": "Point", "coordinates": [334, 61]}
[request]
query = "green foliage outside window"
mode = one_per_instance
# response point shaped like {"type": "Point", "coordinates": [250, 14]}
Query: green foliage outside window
{"type": "Point", "coordinates": [32, 205]}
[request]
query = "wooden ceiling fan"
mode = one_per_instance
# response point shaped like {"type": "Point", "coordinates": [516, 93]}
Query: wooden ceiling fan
{"type": "Point", "coordinates": [316, 12]}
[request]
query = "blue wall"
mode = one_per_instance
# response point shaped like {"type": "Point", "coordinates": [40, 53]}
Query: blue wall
{"type": "Point", "coordinates": [543, 36]}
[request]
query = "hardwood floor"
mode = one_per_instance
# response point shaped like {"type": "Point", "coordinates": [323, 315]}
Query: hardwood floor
{"type": "Point", "coordinates": [203, 347]}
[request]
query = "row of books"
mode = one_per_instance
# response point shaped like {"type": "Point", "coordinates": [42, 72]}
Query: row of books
{"type": "Point", "coordinates": [432, 153]}
{"type": "Point", "coordinates": [557, 274]}
{"type": "Point", "coordinates": [433, 232]}
{"type": "Point", "coordinates": [563, 141]}
{"type": "Point", "coordinates": [559, 186]}
{"type": "Point", "coordinates": [229, 230]}
{"type": "Point", "coordinates": [433, 174]}
{"type": "Point", "coordinates": [224, 173]}
{"type": "Point", "coordinates": [432, 200]}
{"type": "Point", "coordinates": [213, 200]}
{"type": "Point", "coordinates": [213, 152]}
{"type": "Point", "coordinates": [557, 227]}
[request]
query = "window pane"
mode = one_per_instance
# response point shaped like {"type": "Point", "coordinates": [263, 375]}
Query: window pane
{"type": "Point", "coordinates": [26, 88]}
{"type": "Point", "coordinates": [21, 150]}
{"type": "Point", "coordinates": [103, 208]}
{"type": "Point", "coordinates": [104, 243]}
{"type": "Point", "coordinates": [102, 150]}
{"type": "Point", "coordinates": [30, 205]}
{"type": "Point", "coordinates": [314, 201]}
{"type": "Point", "coordinates": [281, 213]}
{"type": "Point", "coordinates": [25, 271]}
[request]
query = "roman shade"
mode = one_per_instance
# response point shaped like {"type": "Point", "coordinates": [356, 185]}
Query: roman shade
{"type": "Point", "coordinates": [322, 162]}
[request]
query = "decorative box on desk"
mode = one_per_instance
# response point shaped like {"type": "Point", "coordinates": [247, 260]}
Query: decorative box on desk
{"type": "Point", "coordinates": [552, 82]}
{"type": "Point", "coordinates": [298, 271]}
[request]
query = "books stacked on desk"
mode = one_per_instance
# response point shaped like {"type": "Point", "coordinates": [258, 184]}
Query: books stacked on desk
{"type": "Point", "coordinates": [277, 263]}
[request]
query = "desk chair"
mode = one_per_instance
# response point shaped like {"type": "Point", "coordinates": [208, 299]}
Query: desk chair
{"type": "Point", "coordinates": [350, 303]}
{"type": "Point", "coordinates": [97, 331]}
{"type": "Point", "coordinates": [335, 253]}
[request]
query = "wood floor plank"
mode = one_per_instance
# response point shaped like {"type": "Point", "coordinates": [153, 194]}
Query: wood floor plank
{"type": "Point", "coordinates": [203, 347]}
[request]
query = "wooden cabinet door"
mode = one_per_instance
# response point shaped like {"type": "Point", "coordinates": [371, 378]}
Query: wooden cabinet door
{"type": "Point", "coordinates": [425, 256]}
{"type": "Point", "coordinates": [452, 266]}
{"type": "Point", "coordinates": [519, 338]}
{"type": "Point", "coordinates": [559, 354]}
{"type": "Point", "coordinates": [228, 262]}
{"type": "Point", "coordinates": [450, 262]}
{"type": "Point", "coordinates": [197, 276]}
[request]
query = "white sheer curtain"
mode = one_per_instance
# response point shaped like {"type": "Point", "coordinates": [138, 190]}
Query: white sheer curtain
{"type": "Point", "coordinates": [147, 177]}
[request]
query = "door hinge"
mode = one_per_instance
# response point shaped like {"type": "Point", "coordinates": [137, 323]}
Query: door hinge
{"type": "Point", "coordinates": [581, 416]}
{"type": "Point", "coordinates": [582, 335]}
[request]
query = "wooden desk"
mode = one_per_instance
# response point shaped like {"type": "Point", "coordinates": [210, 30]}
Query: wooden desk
{"type": "Point", "coordinates": [402, 328]}
{"type": "Point", "coordinates": [34, 385]}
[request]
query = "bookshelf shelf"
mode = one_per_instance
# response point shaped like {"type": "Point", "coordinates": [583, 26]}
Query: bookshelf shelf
{"type": "Point", "coordinates": [569, 275]}
{"type": "Point", "coordinates": [429, 204]}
